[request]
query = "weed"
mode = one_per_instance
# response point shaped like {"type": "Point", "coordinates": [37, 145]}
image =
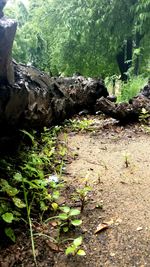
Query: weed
{"type": "Point", "coordinates": [126, 159]}
{"type": "Point", "coordinates": [82, 195]}
{"type": "Point", "coordinates": [80, 125]}
{"type": "Point", "coordinates": [131, 88]}
{"type": "Point", "coordinates": [65, 219]}
{"type": "Point", "coordinates": [30, 190]}
{"type": "Point", "coordinates": [27, 189]}
{"type": "Point", "coordinates": [74, 248]}
{"type": "Point", "coordinates": [144, 116]}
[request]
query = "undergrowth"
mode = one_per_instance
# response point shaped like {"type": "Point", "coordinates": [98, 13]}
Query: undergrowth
{"type": "Point", "coordinates": [25, 186]}
{"type": "Point", "coordinates": [31, 185]}
{"type": "Point", "coordinates": [131, 88]}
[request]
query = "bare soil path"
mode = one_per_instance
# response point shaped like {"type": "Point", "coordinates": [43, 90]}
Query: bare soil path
{"type": "Point", "coordinates": [121, 192]}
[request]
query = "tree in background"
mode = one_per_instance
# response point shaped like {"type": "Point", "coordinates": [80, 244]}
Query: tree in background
{"type": "Point", "coordinates": [91, 37]}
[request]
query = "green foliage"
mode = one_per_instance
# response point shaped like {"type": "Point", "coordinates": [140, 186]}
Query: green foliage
{"type": "Point", "coordinates": [131, 88]}
{"type": "Point", "coordinates": [74, 249]}
{"type": "Point", "coordinates": [27, 188]}
{"type": "Point", "coordinates": [66, 218]}
{"type": "Point", "coordinates": [144, 116]}
{"type": "Point", "coordinates": [30, 191]}
{"type": "Point", "coordinates": [82, 195]}
{"type": "Point", "coordinates": [69, 36]}
{"type": "Point", "coordinates": [80, 125]}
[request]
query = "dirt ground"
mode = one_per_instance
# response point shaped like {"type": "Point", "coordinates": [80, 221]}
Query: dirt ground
{"type": "Point", "coordinates": [114, 161]}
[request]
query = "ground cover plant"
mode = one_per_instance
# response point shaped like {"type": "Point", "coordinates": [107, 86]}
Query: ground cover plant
{"type": "Point", "coordinates": [31, 185]}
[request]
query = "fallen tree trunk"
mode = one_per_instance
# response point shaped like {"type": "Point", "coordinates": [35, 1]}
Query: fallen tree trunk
{"type": "Point", "coordinates": [126, 112]}
{"type": "Point", "coordinates": [36, 100]}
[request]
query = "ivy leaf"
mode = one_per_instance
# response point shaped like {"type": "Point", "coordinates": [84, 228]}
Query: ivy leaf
{"type": "Point", "coordinates": [8, 217]}
{"type": "Point", "coordinates": [19, 203]}
{"type": "Point", "coordinates": [76, 222]}
{"type": "Point", "coordinates": [81, 252]}
{"type": "Point", "coordinates": [10, 233]}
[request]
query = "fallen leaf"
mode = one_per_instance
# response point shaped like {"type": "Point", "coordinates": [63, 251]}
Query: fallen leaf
{"type": "Point", "coordinates": [53, 223]}
{"type": "Point", "coordinates": [103, 226]}
{"type": "Point", "coordinates": [53, 246]}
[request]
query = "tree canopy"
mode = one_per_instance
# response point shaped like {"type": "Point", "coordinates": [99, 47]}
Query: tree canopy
{"type": "Point", "coordinates": [91, 37]}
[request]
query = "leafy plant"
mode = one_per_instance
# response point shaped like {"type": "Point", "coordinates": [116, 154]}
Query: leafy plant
{"type": "Point", "coordinates": [131, 88]}
{"type": "Point", "coordinates": [126, 159]}
{"type": "Point", "coordinates": [80, 125]}
{"type": "Point", "coordinates": [66, 218]}
{"type": "Point", "coordinates": [144, 116]}
{"type": "Point", "coordinates": [82, 195]}
{"type": "Point", "coordinates": [27, 173]}
{"type": "Point", "coordinates": [74, 248]}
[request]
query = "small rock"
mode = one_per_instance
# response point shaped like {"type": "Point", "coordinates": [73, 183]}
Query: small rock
{"type": "Point", "coordinates": [112, 254]}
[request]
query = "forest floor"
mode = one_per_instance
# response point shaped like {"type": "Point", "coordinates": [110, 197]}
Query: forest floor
{"type": "Point", "coordinates": [114, 161]}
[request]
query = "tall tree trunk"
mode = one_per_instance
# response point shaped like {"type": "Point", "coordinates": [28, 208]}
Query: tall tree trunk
{"type": "Point", "coordinates": [138, 39]}
{"type": "Point", "coordinates": [124, 59]}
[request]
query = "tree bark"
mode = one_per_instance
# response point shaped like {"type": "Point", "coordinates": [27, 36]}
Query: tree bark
{"type": "Point", "coordinates": [124, 59]}
{"type": "Point", "coordinates": [7, 34]}
{"type": "Point", "coordinates": [37, 100]}
{"type": "Point", "coordinates": [126, 112]}
{"type": "Point", "coordinates": [137, 56]}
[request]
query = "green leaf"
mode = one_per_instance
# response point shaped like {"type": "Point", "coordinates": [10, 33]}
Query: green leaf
{"type": "Point", "coordinates": [10, 233]}
{"type": "Point", "coordinates": [11, 191]}
{"type": "Point", "coordinates": [76, 222]}
{"type": "Point", "coordinates": [8, 217]}
{"type": "Point", "coordinates": [78, 241]}
{"type": "Point", "coordinates": [54, 206]}
{"type": "Point", "coordinates": [65, 209]}
{"type": "Point", "coordinates": [63, 216]}
{"type": "Point", "coordinates": [28, 134]}
{"type": "Point", "coordinates": [55, 195]}
{"type": "Point", "coordinates": [74, 212]}
{"type": "Point", "coordinates": [43, 206]}
{"type": "Point", "coordinates": [70, 250]}
{"type": "Point", "coordinates": [18, 177]}
{"type": "Point", "coordinates": [65, 229]}
{"type": "Point", "coordinates": [81, 252]}
{"type": "Point", "coordinates": [19, 203]}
